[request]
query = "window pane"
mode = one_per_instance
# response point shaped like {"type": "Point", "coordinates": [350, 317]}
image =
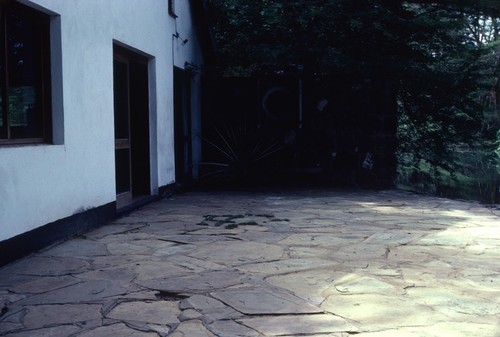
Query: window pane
{"type": "Point", "coordinates": [23, 61]}
{"type": "Point", "coordinates": [122, 167]}
{"type": "Point", "coordinates": [121, 100]}
{"type": "Point", "coordinates": [21, 106]}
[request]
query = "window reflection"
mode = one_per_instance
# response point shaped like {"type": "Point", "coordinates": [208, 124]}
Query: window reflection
{"type": "Point", "coordinates": [24, 69]}
{"type": "Point", "coordinates": [22, 61]}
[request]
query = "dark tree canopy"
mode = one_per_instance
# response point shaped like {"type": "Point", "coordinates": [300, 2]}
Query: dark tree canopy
{"type": "Point", "coordinates": [369, 37]}
{"type": "Point", "coordinates": [440, 56]}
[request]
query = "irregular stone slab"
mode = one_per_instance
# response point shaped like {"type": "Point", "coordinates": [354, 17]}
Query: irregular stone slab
{"type": "Point", "coordinates": [143, 295]}
{"type": "Point", "coordinates": [298, 325]}
{"type": "Point", "coordinates": [121, 274]}
{"type": "Point", "coordinates": [238, 252]}
{"type": "Point", "coordinates": [264, 237]}
{"type": "Point", "coordinates": [308, 252]}
{"type": "Point", "coordinates": [483, 279]}
{"type": "Point", "coordinates": [80, 248]}
{"type": "Point", "coordinates": [316, 239]}
{"type": "Point", "coordinates": [128, 248]}
{"type": "Point", "coordinates": [155, 244]}
{"type": "Point", "coordinates": [119, 329]}
{"type": "Point", "coordinates": [130, 236]}
{"type": "Point", "coordinates": [235, 220]}
{"type": "Point", "coordinates": [159, 312]}
{"type": "Point", "coordinates": [330, 221]}
{"type": "Point", "coordinates": [164, 226]}
{"type": "Point", "coordinates": [112, 229]}
{"type": "Point", "coordinates": [484, 248]}
{"type": "Point", "coordinates": [491, 232]}
{"type": "Point", "coordinates": [114, 261]}
{"type": "Point", "coordinates": [48, 266]}
{"type": "Point", "coordinates": [175, 249]}
{"type": "Point", "coordinates": [48, 315]}
{"type": "Point", "coordinates": [356, 284]}
{"type": "Point", "coordinates": [375, 312]}
{"type": "Point", "coordinates": [444, 329]}
{"type": "Point", "coordinates": [188, 238]}
{"type": "Point", "coordinates": [146, 270]}
{"type": "Point", "coordinates": [191, 329]}
{"type": "Point", "coordinates": [44, 284]}
{"type": "Point", "coordinates": [63, 330]}
{"type": "Point", "coordinates": [6, 327]}
{"type": "Point", "coordinates": [233, 329]}
{"type": "Point", "coordinates": [218, 231]}
{"type": "Point", "coordinates": [255, 302]}
{"type": "Point", "coordinates": [359, 251]}
{"type": "Point", "coordinates": [212, 309]}
{"type": "Point", "coordinates": [415, 254]}
{"type": "Point", "coordinates": [8, 277]}
{"type": "Point", "coordinates": [12, 314]}
{"type": "Point", "coordinates": [393, 238]}
{"type": "Point", "coordinates": [195, 283]}
{"type": "Point", "coordinates": [201, 302]}
{"type": "Point", "coordinates": [457, 302]}
{"type": "Point", "coordinates": [286, 266]}
{"type": "Point", "coordinates": [194, 265]}
{"type": "Point", "coordinates": [190, 314]}
{"type": "Point", "coordinates": [377, 268]}
{"type": "Point", "coordinates": [162, 329]}
{"type": "Point", "coordinates": [311, 286]}
{"type": "Point", "coordinates": [88, 291]}
{"type": "Point", "coordinates": [446, 239]}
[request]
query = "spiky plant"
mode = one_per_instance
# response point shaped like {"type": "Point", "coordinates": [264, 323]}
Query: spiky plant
{"type": "Point", "coordinates": [239, 153]}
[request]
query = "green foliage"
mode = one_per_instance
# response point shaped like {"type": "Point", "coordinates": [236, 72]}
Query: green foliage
{"type": "Point", "coordinates": [440, 57]}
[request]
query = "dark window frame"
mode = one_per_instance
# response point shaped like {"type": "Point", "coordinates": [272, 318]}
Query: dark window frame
{"type": "Point", "coordinates": [40, 71]}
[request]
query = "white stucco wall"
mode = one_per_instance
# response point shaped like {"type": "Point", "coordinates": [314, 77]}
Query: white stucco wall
{"type": "Point", "coordinates": [43, 183]}
{"type": "Point", "coordinates": [190, 52]}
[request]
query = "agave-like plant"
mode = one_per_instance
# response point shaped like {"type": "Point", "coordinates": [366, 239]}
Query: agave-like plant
{"type": "Point", "coordinates": [239, 153]}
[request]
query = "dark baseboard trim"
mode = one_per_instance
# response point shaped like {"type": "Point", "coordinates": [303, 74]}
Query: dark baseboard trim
{"type": "Point", "coordinates": [137, 202]}
{"type": "Point", "coordinates": [36, 239]}
{"type": "Point", "coordinates": [63, 229]}
{"type": "Point", "coordinates": [167, 190]}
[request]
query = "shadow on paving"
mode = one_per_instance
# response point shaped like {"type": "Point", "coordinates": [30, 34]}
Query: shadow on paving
{"type": "Point", "coordinates": [312, 262]}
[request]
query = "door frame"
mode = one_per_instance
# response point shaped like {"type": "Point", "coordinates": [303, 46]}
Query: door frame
{"type": "Point", "coordinates": [137, 103]}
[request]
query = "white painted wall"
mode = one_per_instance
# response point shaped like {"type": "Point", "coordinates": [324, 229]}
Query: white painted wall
{"type": "Point", "coordinates": [192, 53]}
{"type": "Point", "coordinates": [43, 183]}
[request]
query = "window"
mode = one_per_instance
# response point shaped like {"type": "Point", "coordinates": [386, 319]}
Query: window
{"type": "Point", "coordinates": [25, 115]}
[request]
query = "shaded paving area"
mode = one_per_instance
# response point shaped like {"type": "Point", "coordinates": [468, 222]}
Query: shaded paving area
{"type": "Point", "coordinates": [295, 263]}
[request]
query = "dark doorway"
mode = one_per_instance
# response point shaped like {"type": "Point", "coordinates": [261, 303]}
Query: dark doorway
{"type": "Point", "coordinates": [131, 99]}
{"type": "Point", "coordinates": [183, 133]}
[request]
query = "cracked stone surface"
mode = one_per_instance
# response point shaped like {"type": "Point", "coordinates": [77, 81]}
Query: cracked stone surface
{"type": "Point", "coordinates": [310, 262]}
{"type": "Point", "coordinates": [262, 302]}
{"type": "Point", "coordinates": [158, 312]}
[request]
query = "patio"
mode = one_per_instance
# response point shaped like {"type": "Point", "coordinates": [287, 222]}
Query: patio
{"type": "Point", "coordinates": [308, 262]}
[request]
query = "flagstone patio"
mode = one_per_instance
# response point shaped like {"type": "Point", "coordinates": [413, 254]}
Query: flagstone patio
{"type": "Point", "coordinates": [308, 262]}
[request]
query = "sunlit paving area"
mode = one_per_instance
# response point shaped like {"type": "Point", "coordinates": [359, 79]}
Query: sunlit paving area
{"type": "Point", "coordinates": [308, 262]}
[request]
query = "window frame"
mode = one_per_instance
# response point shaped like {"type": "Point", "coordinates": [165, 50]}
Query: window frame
{"type": "Point", "coordinates": [42, 77]}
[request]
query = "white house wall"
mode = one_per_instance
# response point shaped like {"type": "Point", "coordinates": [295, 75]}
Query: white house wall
{"type": "Point", "coordinates": [44, 183]}
{"type": "Point", "coordinates": [190, 52]}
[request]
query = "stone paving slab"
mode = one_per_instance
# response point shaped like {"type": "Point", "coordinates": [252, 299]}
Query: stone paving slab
{"type": "Point", "coordinates": [314, 262]}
